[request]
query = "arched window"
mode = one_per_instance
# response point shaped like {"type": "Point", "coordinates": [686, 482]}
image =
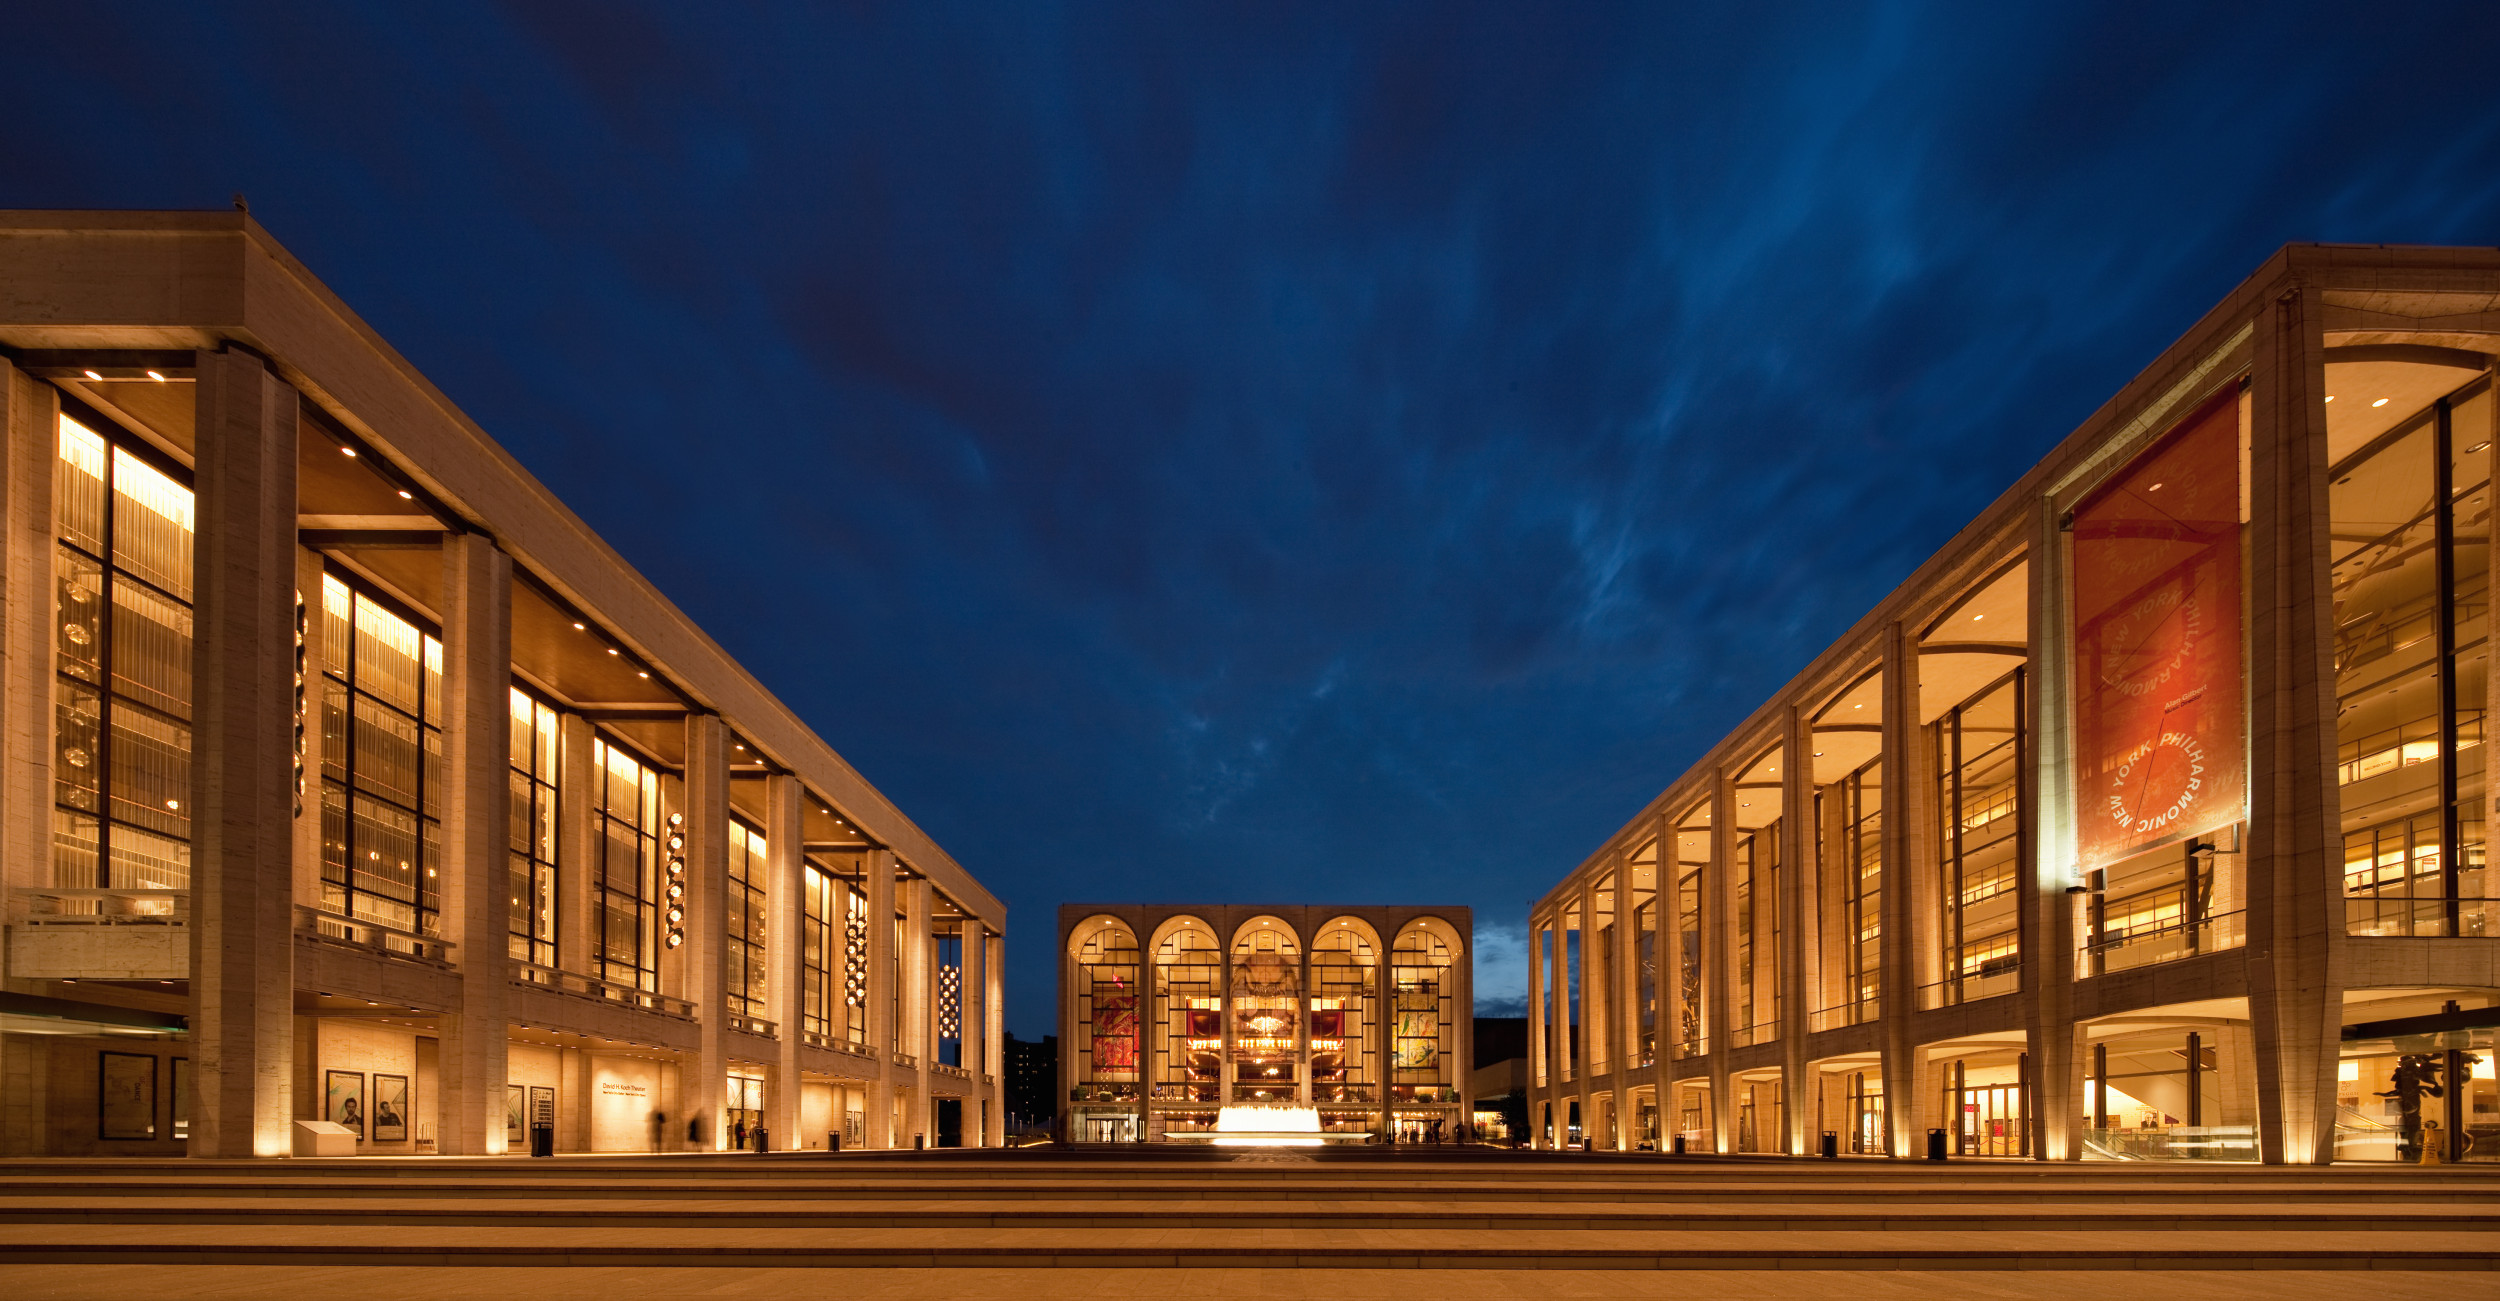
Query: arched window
{"type": "Point", "coordinates": [1345, 1050]}
{"type": "Point", "coordinates": [1189, 1011]}
{"type": "Point", "coordinates": [1423, 1036]}
{"type": "Point", "coordinates": [1267, 1011]}
{"type": "Point", "coordinates": [1106, 1029]}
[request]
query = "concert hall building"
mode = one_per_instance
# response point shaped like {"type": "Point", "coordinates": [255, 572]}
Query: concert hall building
{"type": "Point", "coordinates": [358, 799]}
{"type": "Point", "coordinates": [2145, 821]}
{"type": "Point", "coordinates": [1261, 1025]}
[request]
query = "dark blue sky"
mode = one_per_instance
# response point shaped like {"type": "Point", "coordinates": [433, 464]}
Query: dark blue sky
{"type": "Point", "coordinates": [1266, 451]}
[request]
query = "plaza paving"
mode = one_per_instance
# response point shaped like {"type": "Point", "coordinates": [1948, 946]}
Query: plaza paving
{"type": "Point", "coordinates": [1041, 1224]}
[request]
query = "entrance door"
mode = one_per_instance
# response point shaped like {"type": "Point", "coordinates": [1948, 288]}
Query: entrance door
{"type": "Point", "coordinates": [743, 1110]}
{"type": "Point", "coordinates": [1992, 1122]}
{"type": "Point", "coordinates": [950, 1122]}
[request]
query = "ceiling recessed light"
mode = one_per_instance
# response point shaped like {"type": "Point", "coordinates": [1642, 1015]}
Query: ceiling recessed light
{"type": "Point", "coordinates": [93, 375]}
{"type": "Point", "coordinates": [347, 451]}
{"type": "Point", "coordinates": [154, 376]}
{"type": "Point", "coordinates": [405, 495]}
{"type": "Point", "coordinates": [2380, 403]}
{"type": "Point", "coordinates": [1977, 617]}
{"type": "Point", "coordinates": [2477, 447]}
{"type": "Point", "coordinates": [611, 650]}
{"type": "Point", "coordinates": [2330, 397]}
{"type": "Point", "coordinates": [577, 627]}
{"type": "Point", "coordinates": [642, 675]}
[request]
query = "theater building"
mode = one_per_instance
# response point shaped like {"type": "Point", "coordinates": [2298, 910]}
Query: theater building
{"type": "Point", "coordinates": [2145, 821]}
{"type": "Point", "coordinates": [1259, 1025]}
{"type": "Point", "coordinates": [350, 779]}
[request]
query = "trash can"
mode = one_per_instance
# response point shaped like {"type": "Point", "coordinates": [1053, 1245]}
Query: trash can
{"type": "Point", "coordinates": [763, 1139]}
{"type": "Point", "coordinates": [833, 1140]}
{"type": "Point", "coordinates": [919, 1142]}
{"type": "Point", "coordinates": [1935, 1145]}
{"type": "Point", "coordinates": [1831, 1145]}
{"type": "Point", "coordinates": [542, 1140]}
{"type": "Point", "coordinates": [1679, 1145]}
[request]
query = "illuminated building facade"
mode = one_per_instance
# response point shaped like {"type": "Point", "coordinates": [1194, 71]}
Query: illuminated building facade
{"type": "Point", "coordinates": [2145, 821]}
{"type": "Point", "coordinates": [357, 793]}
{"type": "Point", "coordinates": [1177, 1023]}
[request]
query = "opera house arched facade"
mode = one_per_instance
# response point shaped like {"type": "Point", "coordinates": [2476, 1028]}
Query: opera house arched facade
{"type": "Point", "coordinates": [1182, 1023]}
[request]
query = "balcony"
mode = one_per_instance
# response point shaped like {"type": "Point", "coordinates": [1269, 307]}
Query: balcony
{"type": "Point", "coordinates": [2145, 946]}
{"type": "Point", "coordinates": [1841, 1015]}
{"type": "Point", "coordinates": [1972, 987]}
{"type": "Point", "coordinates": [950, 1072]}
{"type": "Point", "coordinates": [63, 934]}
{"type": "Point", "coordinates": [744, 1024]}
{"type": "Point", "coordinates": [372, 936]}
{"type": "Point", "coordinates": [835, 1043]}
{"type": "Point", "coordinates": [907, 1061]}
{"type": "Point", "coordinates": [581, 986]}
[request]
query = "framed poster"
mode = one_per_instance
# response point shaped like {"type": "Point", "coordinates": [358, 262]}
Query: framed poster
{"type": "Point", "coordinates": [515, 1102]}
{"type": "Point", "coordinates": [182, 1099]}
{"type": "Point", "coordinates": [344, 1099]}
{"type": "Point", "coordinates": [390, 1108]}
{"type": "Point", "coordinates": [126, 1095]}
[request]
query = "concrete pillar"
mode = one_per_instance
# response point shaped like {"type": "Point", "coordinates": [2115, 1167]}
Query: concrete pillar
{"type": "Point", "coordinates": [1718, 924]}
{"type": "Point", "coordinates": [919, 1008]}
{"type": "Point", "coordinates": [476, 871]}
{"type": "Point", "coordinates": [1540, 1080]}
{"type": "Point", "coordinates": [877, 865]}
{"type": "Point", "coordinates": [2295, 888]}
{"type": "Point", "coordinates": [785, 905]}
{"type": "Point", "coordinates": [1902, 804]}
{"type": "Point", "coordinates": [1588, 1004]}
{"type": "Point", "coordinates": [2045, 918]}
{"type": "Point", "coordinates": [306, 799]}
{"type": "Point", "coordinates": [994, 1031]}
{"type": "Point", "coordinates": [970, 1012]}
{"type": "Point", "coordinates": [1463, 1043]}
{"type": "Point", "coordinates": [577, 846]}
{"type": "Point", "coordinates": [30, 415]}
{"type": "Point", "coordinates": [706, 809]}
{"type": "Point", "coordinates": [1661, 1071]}
{"type": "Point", "coordinates": [242, 760]}
{"type": "Point", "coordinates": [1796, 913]}
{"type": "Point", "coordinates": [1384, 1027]}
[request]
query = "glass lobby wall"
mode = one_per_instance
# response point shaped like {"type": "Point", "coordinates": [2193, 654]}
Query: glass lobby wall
{"type": "Point", "coordinates": [1754, 890]}
{"type": "Point", "coordinates": [2414, 1082]}
{"type": "Point", "coordinates": [742, 925]}
{"type": "Point", "coordinates": [1761, 1112]}
{"type": "Point", "coordinates": [122, 654]}
{"type": "Point", "coordinates": [2160, 696]}
{"type": "Point", "coordinates": [1188, 1013]}
{"type": "Point", "coordinates": [1973, 692]}
{"type": "Point", "coordinates": [1849, 1104]}
{"type": "Point", "coordinates": [1542, 954]}
{"type": "Point", "coordinates": [1848, 763]}
{"type": "Point", "coordinates": [1642, 869]}
{"type": "Point", "coordinates": [2170, 1089]}
{"type": "Point", "coordinates": [1266, 1012]}
{"type": "Point", "coordinates": [2410, 547]}
{"type": "Point", "coordinates": [1981, 1099]}
{"type": "Point", "coordinates": [626, 822]}
{"type": "Point", "coordinates": [533, 841]}
{"type": "Point", "coordinates": [1423, 1043]}
{"type": "Point", "coordinates": [1692, 858]}
{"type": "Point", "coordinates": [381, 763]}
{"type": "Point", "coordinates": [1345, 964]}
{"type": "Point", "coordinates": [1104, 954]}
{"type": "Point", "coordinates": [1602, 972]}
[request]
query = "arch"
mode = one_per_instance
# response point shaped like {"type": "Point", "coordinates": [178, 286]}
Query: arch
{"type": "Point", "coordinates": [1102, 933]}
{"type": "Point", "coordinates": [1178, 925]}
{"type": "Point", "coordinates": [1437, 928]}
{"type": "Point", "coordinates": [1288, 941]}
{"type": "Point", "coordinates": [1359, 935]}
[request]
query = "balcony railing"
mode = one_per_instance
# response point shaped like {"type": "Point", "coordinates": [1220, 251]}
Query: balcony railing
{"type": "Point", "coordinates": [1855, 1012]}
{"type": "Point", "coordinates": [574, 982]}
{"type": "Point", "coordinates": [371, 935]}
{"type": "Point", "coordinates": [1970, 988]}
{"type": "Point", "coordinates": [46, 906]}
{"type": "Point", "coordinates": [2143, 948]}
{"type": "Point", "coordinates": [836, 1043]}
{"type": "Point", "coordinates": [951, 1072]}
{"type": "Point", "coordinates": [906, 1059]}
{"type": "Point", "coordinates": [1760, 1032]}
{"type": "Point", "coordinates": [754, 1025]}
{"type": "Point", "coordinates": [2419, 916]}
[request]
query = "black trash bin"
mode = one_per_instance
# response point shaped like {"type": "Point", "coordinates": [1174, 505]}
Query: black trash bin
{"type": "Point", "coordinates": [833, 1140]}
{"type": "Point", "coordinates": [1935, 1145]}
{"type": "Point", "coordinates": [763, 1139]}
{"type": "Point", "coordinates": [542, 1140]}
{"type": "Point", "coordinates": [1831, 1145]}
{"type": "Point", "coordinates": [1679, 1145]}
{"type": "Point", "coordinates": [919, 1142]}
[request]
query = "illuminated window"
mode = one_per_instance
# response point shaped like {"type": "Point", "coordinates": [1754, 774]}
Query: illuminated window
{"type": "Point", "coordinates": [743, 924]}
{"type": "Point", "coordinates": [381, 762]}
{"type": "Point", "coordinates": [627, 817]}
{"type": "Point", "coordinates": [533, 830]}
{"type": "Point", "coordinates": [122, 727]}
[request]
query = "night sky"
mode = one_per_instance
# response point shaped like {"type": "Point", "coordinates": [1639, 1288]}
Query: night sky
{"type": "Point", "coordinates": [1273, 452]}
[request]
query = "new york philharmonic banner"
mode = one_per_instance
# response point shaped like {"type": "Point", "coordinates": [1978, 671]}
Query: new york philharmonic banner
{"type": "Point", "coordinates": [2160, 738]}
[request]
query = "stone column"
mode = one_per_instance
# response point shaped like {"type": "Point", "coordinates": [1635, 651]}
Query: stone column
{"type": "Point", "coordinates": [577, 846]}
{"type": "Point", "coordinates": [1588, 1004]}
{"type": "Point", "coordinates": [2045, 920]}
{"type": "Point", "coordinates": [994, 1031]}
{"type": "Point", "coordinates": [31, 419]}
{"type": "Point", "coordinates": [2295, 891]}
{"type": "Point", "coordinates": [1539, 1078]}
{"type": "Point", "coordinates": [1662, 1064]}
{"type": "Point", "coordinates": [1383, 1031]}
{"type": "Point", "coordinates": [877, 865]}
{"type": "Point", "coordinates": [706, 809]}
{"type": "Point", "coordinates": [919, 1009]}
{"type": "Point", "coordinates": [1796, 904]}
{"type": "Point", "coordinates": [1901, 804]}
{"type": "Point", "coordinates": [476, 873]}
{"type": "Point", "coordinates": [785, 905]}
{"type": "Point", "coordinates": [307, 800]}
{"type": "Point", "coordinates": [1627, 1006]}
{"type": "Point", "coordinates": [1718, 924]}
{"type": "Point", "coordinates": [971, 1008]}
{"type": "Point", "coordinates": [1463, 1043]}
{"type": "Point", "coordinates": [242, 760]}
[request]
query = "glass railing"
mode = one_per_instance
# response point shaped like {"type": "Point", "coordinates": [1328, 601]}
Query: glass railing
{"type": "Point", "coordinates": [1970, 988]}
{"type": "Point", "coordinates": [1856, 1012]}
{"type": "Point", "coordinates": [2177, 1143]}
{"type": "Point", "coordinates": [46, 906]}
{"type": "Point", "coordinates": [2418, 917]}
{"type": "Point", "coordinates": [2144, 947]}
{"type": "Point", "coordinates": [371, 935]}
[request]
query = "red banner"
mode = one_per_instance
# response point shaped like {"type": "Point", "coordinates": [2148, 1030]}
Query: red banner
{"type": "Point", "coordinates": [2161, 737]}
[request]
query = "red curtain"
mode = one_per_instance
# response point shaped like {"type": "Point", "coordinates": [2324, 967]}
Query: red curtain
{"type": "Point", "coordinates": [2161, 743]}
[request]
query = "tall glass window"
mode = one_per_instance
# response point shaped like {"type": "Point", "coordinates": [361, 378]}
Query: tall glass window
{"type": "Point", "coordinates": [1979, 758]}
{"type": "Point", "coordinates": [1189, 1014]}
{"type": "Point", "coordinates": [381, 764]}
{"type": "Point", "coordinates": [1421, 1043]}
{"type": "Point", "coordinates": [855, 960]}
{"type": "Point", "coordinates": [1692, 854]}
{"type": "Point", "coordinates": [743, 921]}
{"type": "Point", "coordinates": [2411, 536]}
{"type": "Point", "coordinates": [1645, 925]}
{"type": "Point", "coordinates": [819, 940]}
{"type": "Point", "coordinates": [1106, 998]}
{"type": "Point", "coordinates": [533, 830]}
{"type": "Point", "coordinates": [948, 941]}
{"type": "Point", "coordinates": [1859, 902]}
{"type": "Point", "coordinates": [122, 731]}
{"type": "Point", "coordinates": [1267, 1002]}
{"type": "Point", "coordinates": [628, 820]}
{"type": "Point", "coordinates": [1343, 962]}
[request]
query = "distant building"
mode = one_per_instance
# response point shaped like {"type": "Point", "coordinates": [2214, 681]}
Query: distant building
{"type": "Point", "coordinates": [1500, 1088]}
{"type": "Point", "coordinates": [1032, 1083]}
{"type": "Point", "coordinates": [1174, 1015]}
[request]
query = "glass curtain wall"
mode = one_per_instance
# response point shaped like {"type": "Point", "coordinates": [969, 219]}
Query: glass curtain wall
{"type": "Point", "coordinates": [626, 813]}
{"type": "Point", "coordinates": [818, 936]}
{"type": "Point", "coordinates": [2411, 538]}
{"type": "Point", "coordinates": [1600, 978]}
{"type": "Point", "coordinates": [1692, 858]}
{"type": "Point", "coordinates": [1853, 809]}
{"type": "Point", "coordinates": [1422, 1040]}
{"type": "Point", "coordinates": [1979, 758]}
{"type": "Point", "coordinates": [1345, 961]}
{"type": "Point", "coordinates": [382, 763]}
{"type": "Point", "coordinates": [743, 921]}
{"type": "Point", "coordinates": [533, 847]}
{"type": "Point", "coordinates": [1267, 1023]}
{"type": "Point", "coordinates": [122, 655]}
{"type": "Point", "coordinates": [1106, 1023]}
{"type": "Point", "coordinates": [1189, 1014]}
{"type": "Point", "coordinates": [1644, 870]}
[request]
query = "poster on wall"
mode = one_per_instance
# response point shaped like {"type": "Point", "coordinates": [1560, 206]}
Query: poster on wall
{"type": "Point", "coordinates": [390, 1108]}
{"type": "Point", "coordinates": [182, 1099]}
{"type": "Point", "coordinates": [127, 1093]}
{"type": "Point", "coordinates": [344, 1093]}
{"type": "Point", "coordinates": [2160, 729]}
{"type": "Point", "coordinates": [1419, 1027]}
{"type": "Point", "coordinates": [1115, 1031]}
{"type": "Point", "coordinates": [515, 1107]}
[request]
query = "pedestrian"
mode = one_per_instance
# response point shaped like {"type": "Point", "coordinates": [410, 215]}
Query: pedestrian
{"type": "Point", "coordinates": [659, 1127]}
{"type": "Point", "coordinates": [738, 1134]}
{"type": "Point", "coordinates": [694, 1132]}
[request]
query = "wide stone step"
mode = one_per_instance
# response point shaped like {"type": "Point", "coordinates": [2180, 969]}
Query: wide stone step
{"type": "Point", "coordinates": [531, 1245]}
